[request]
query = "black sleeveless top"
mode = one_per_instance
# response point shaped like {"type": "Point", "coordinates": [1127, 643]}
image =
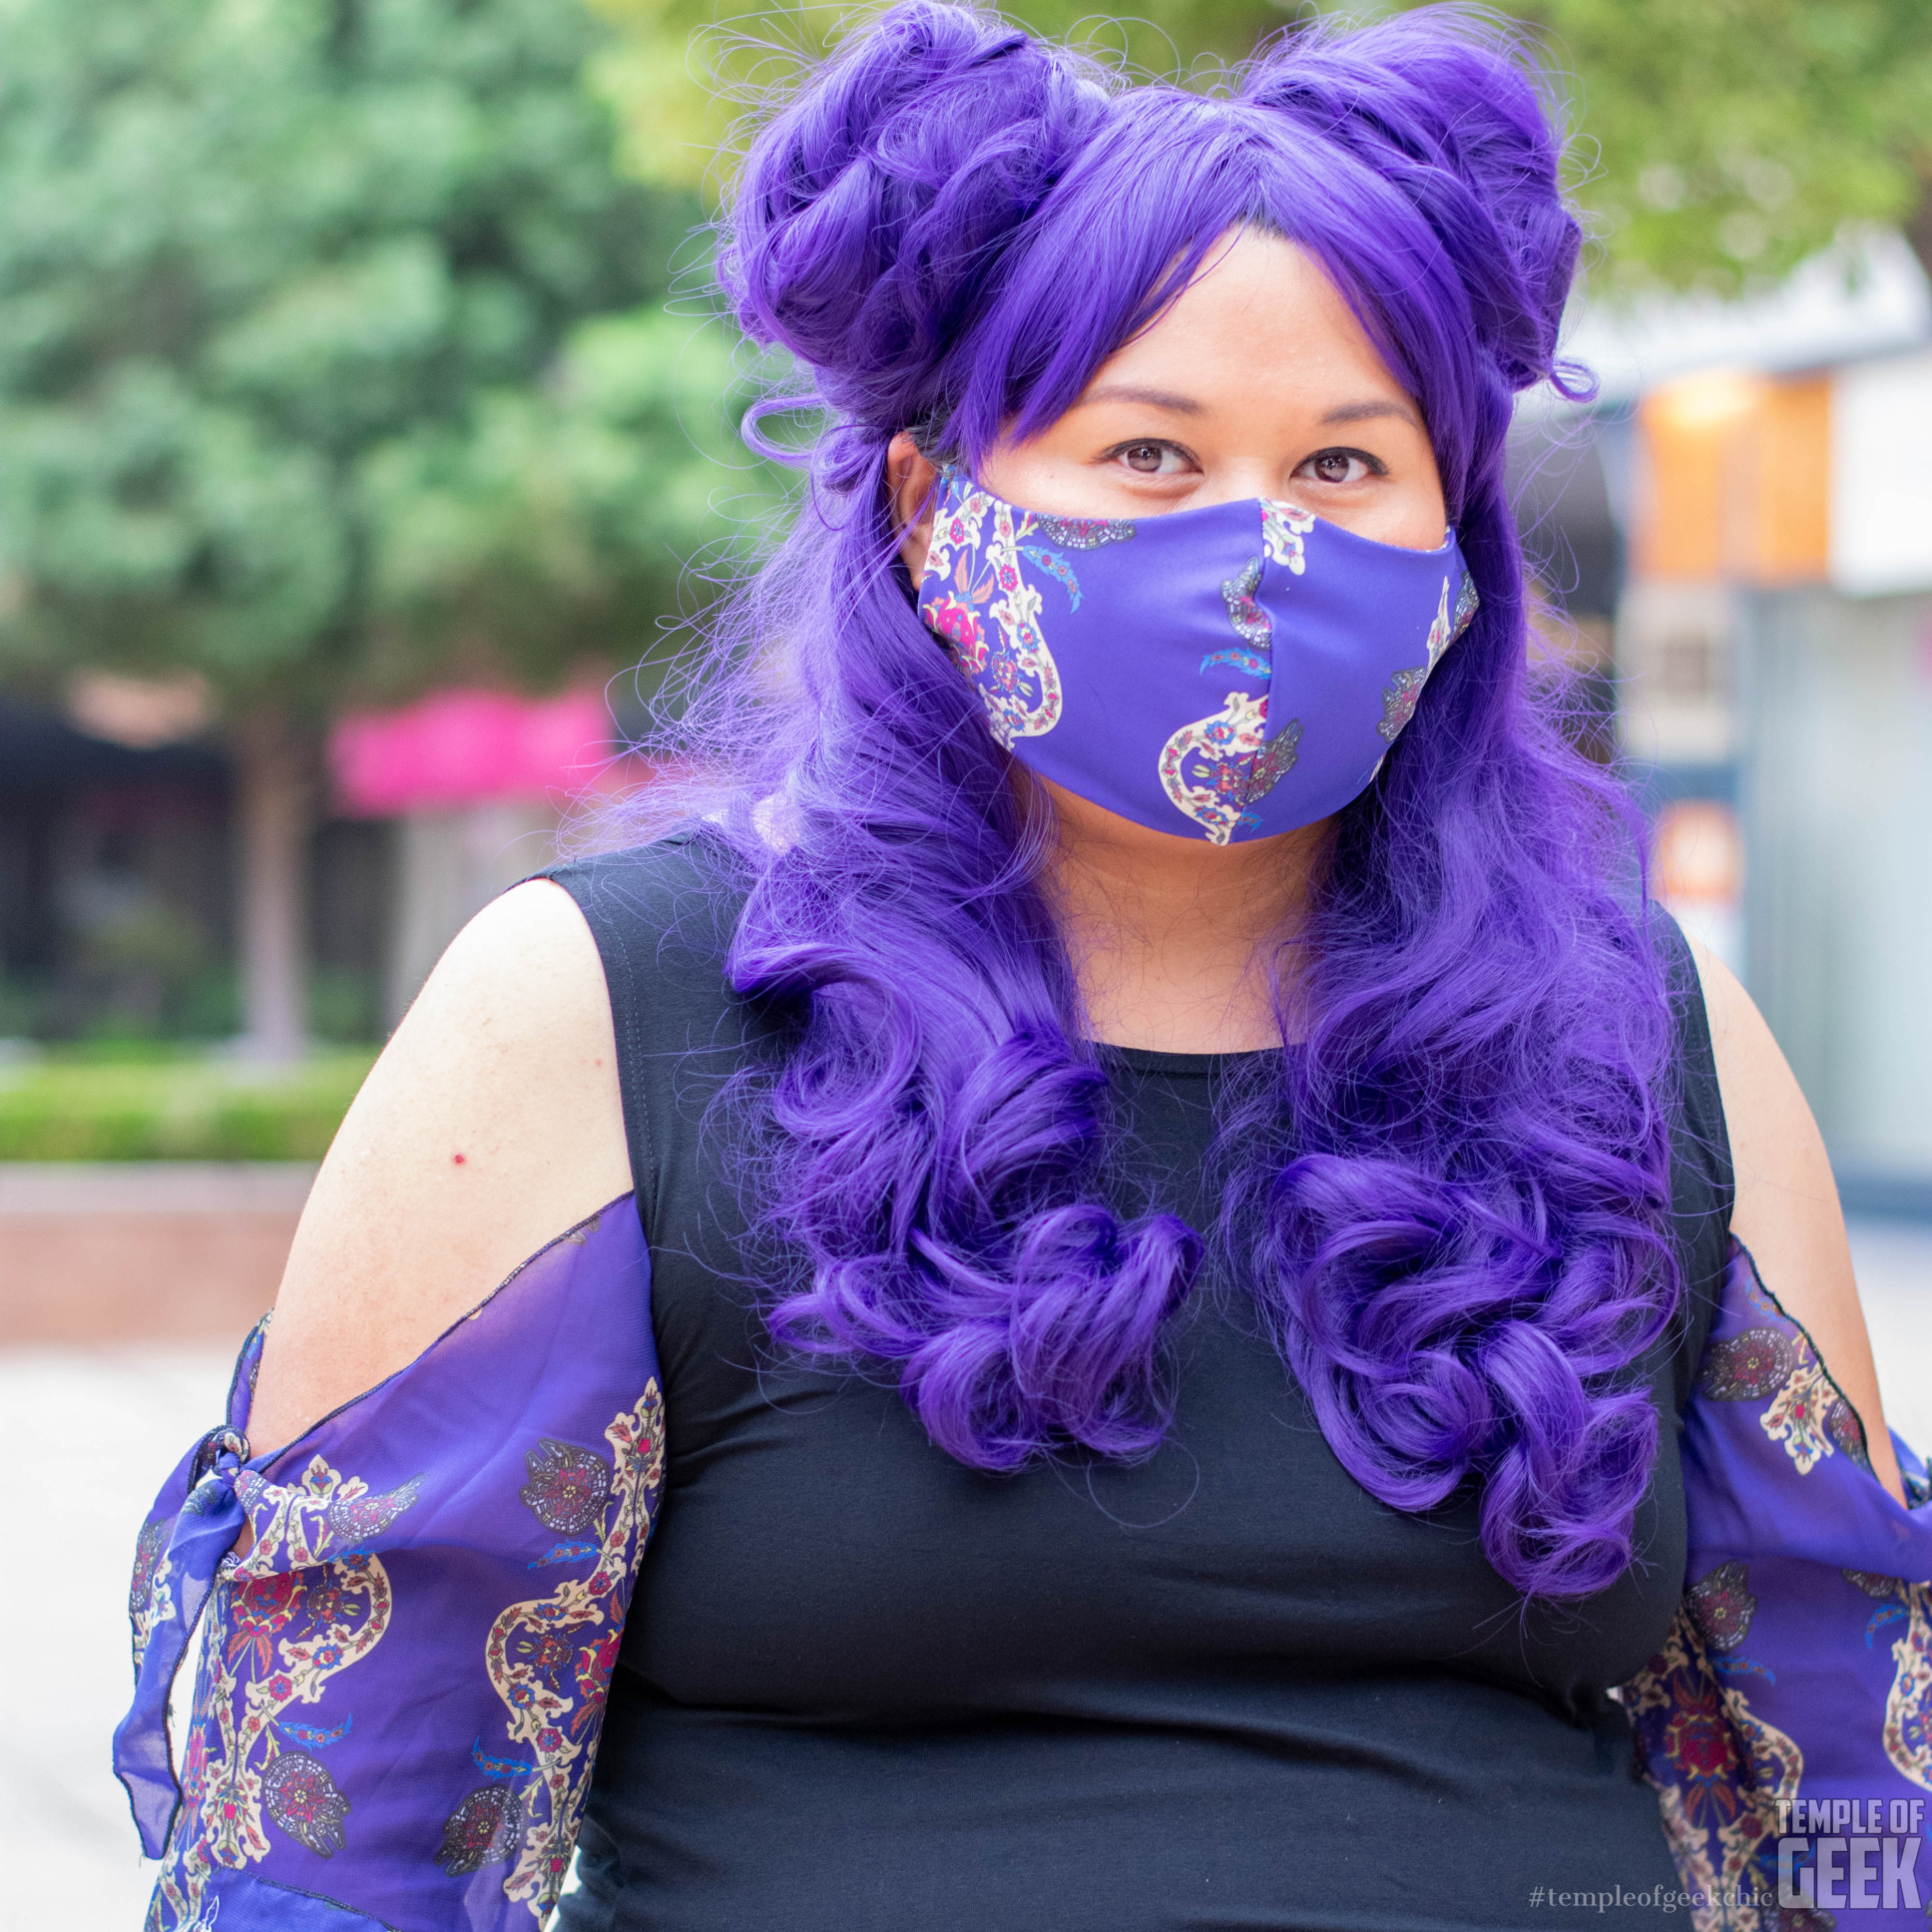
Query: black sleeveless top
{"type": "Point", "coordinates": [864, 1688]}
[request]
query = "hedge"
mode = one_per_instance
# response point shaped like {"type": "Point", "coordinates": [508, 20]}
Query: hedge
{"type": "Point", "coordinates": [198, 1108]}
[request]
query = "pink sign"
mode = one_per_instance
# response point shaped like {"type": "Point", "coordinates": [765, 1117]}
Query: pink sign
{"type": "Point", "coordinates": [461, 747]}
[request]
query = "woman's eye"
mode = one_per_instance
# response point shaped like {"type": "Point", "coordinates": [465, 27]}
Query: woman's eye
{"type": "Point", "coordinates": [1342, 466]}
{"type": "Point", "coordinates": [1145, 459]}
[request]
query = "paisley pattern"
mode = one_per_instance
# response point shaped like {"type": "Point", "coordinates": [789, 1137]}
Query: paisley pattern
{"type": "Point", "coordinates": [1283, 529]}
{"type": "Point", "coordinates": [1909, 1699]}
{"type": "Point", "coordinates": [1749, 1367]}
{"type": "Point", "coordinates": [989, 616]}
{"type": "Point", "coordinates": [301, 1798]}
{"type": "Point", "coordinates": [485, 1830]}
{"type": "Point", "coordinates": [1798, 1412]}
{"type": "Point", "coordinates": [1721, 1772]}
{"type": "Point", "coordinates": [1846, 1431]}
{"type": "Point", "coordinates": [149, 1600]}
{"type": "Point", "coordinates": [1253, 624]}
{"type": "Point", "coordinates": [1908, 1703]}
{"type": "Point", "coordinates": [1399, 702]}
{"type": "Point", "coordinates": [1137, 663]}
{"type": "Point", "coordinates": [289, 1618]}
{"type": "Point", "coordinates": [315, 1763]}
{"type": "Point", "coordinates": [1083, 533]}
{"type": "Point", "coordinates": [1274, 762]}
{"type": "Point", "coordinates": [549, 1660]}
{"type": "Point", "coordinates": [1798, 1666]}
{"type": "Point", "coordinates": [361, 1519]}
{"type": "Point", "coordinates": [1721, 1606]}
{"type": "Point", "coordinates": [567, 1486]}
{"type": "Point", "coordinates": [1404, 691]}
{"type": "Point", "coordinates": [1216, 767]}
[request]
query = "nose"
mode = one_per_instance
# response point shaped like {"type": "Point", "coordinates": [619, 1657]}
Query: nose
{"type": "Point", "coordinates": [1241, 480]}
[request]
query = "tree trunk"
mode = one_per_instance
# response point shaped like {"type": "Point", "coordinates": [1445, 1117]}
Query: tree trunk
{"type": "Point", "coordinates": [274, 806]}
{"type": "Point", "coordinates": [1918, 224]}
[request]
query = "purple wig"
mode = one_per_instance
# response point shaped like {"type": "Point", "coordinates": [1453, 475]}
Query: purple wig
{"type": "Point", "coordinates": [1460, 1242]}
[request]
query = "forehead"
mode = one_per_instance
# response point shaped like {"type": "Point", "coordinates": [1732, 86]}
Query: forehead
{"type": "Point", "coordinates": [1190, 227]}
{"type": "Point", "coordinates": [1260, 318]}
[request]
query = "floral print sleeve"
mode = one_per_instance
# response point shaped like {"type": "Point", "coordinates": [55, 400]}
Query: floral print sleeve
{"type": "Point", "coordinates": [402, 1682]}
{"type": "Point", "coordinates": [1787, 1722]}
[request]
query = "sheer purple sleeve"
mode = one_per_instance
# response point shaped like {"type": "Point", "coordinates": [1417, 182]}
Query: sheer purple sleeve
{"type": "Point", "coordinates": [402, 1682]}
{"type": "Point", "coordinates": [1785, 1724]}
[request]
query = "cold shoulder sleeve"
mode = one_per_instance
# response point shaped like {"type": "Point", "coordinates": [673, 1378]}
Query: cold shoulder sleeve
{"type": "Point", "coordinates": [402, 1682]}
{"type": "Point", "coordinates": [1787, 1722]}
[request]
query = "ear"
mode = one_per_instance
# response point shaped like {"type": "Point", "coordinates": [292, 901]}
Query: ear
{"type": "Point", "coordinates": [909, 477]}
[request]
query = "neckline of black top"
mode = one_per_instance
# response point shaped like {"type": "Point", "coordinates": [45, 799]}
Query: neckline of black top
{"type": "Point", "coordinates": [1156, 1060]}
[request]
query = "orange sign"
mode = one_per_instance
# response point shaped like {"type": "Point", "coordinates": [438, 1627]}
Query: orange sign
{"type": "Point", "coordinates": [1699, 852]}
{"type": "Point", "coordinates": [1734, 480]}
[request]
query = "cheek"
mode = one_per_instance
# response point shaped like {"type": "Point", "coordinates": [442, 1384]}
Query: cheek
{"type": "Point", "coordinates": [1043, 476]}
{"type": "Point", "coordinates": [1424, 512]}
{"type": "Point", "coordinates": [1407, 511]}
{"type": "Point", "coordinates": [1419, 521]}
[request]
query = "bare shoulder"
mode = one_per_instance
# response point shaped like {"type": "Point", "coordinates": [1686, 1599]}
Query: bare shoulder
{"type": "Point", "coordinates": [1787, 1211]}
{"type": "Point", "coordinates": [490, 1125]}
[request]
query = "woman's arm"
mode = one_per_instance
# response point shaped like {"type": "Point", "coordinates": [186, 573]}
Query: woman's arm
{"type": "Point", "coordinates": [491, 1122]}
{"type": "Point", "coordinates": [1787, 1211]}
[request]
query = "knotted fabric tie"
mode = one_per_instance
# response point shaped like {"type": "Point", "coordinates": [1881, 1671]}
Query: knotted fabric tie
{"type": "Point", "coordinates": [204, 1532]}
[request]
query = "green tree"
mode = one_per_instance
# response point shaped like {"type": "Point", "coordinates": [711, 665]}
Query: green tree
{"type": "Point", "coordinates": [331, 358]}
{"type": "Point", "coordinates": [1733, 138]}
{"type": "Point", "coordinates": [1721, 139]}
{"type": "Point", "coordinates": [567, 522]}
{"type": "Point", "coordinates": [689, 76]}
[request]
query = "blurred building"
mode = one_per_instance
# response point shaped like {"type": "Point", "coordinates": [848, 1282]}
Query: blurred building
{"type": "Point", "coordinates": [1778, 621]}
{"type": "Point", "coordinates": [1733, 550]}
{"type": "Point", "coordinates": [1768, 468]}
{"type": "Point", "coordinates": [472, 786]}
{"type": "Point", "coordinates": [118, 861]}
{"type": "Point", "coordinates": [113, 878]}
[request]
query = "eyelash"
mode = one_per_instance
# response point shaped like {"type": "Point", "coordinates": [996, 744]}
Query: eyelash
{"type": "Point", "coordinates": [1374, 464]}
{"type": "Point", "coordinates": [1118, 450]}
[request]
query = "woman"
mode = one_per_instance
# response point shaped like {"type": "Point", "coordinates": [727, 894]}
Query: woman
{"type": "Point", "coordinates": [1185, 1191]}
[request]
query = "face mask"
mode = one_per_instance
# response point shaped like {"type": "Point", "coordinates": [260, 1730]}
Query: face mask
{"type": "Point", "coordinates": [1224, 674]}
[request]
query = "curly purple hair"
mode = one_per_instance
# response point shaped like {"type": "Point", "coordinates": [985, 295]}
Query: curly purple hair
{"type": "Point", "coordinates": [1451, 1198]}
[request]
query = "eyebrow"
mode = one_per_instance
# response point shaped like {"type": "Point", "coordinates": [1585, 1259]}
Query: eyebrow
{"type": "Point", "coordinates": [1367, 412]}
{"type": "Point", "coordinates": [1132, 392]}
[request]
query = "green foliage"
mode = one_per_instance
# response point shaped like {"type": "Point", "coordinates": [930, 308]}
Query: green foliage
{"type": "Point", "coordinates": [692, 76]}
{"type": "Point", "coordinates": [1733, 138]}
{"type": "Point", "coordinates": [553, 520]}
{"type": "Point", "coordinates": [1720, 141]}
{"type": "Point", "coordinates": [84, 1108]}
{"type": "Point", "coordinates": [286, 286]}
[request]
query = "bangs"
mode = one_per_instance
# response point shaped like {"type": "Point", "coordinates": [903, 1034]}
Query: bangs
{"type": "Point", "coordinates": [1140, 216]}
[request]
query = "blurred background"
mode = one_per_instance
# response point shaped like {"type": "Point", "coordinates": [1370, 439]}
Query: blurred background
{"type": "Point", "coordinates": [366, 444]}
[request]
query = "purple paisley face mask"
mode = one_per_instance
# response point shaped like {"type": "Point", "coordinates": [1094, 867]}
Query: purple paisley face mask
{"type": "Point", "coordinates": [1224, 674]}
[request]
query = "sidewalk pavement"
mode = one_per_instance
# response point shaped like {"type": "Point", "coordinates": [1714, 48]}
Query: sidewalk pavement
{"type": "Point", "coordinates": [1894, 1263]}
{"type": "Point", "coordinates": [86, 1436]}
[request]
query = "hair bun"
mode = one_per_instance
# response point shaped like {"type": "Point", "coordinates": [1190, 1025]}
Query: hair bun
{"type": "Point", "coordinates": [1476, 154]}
{"type": "Point", "coordinates": [862, 226]}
